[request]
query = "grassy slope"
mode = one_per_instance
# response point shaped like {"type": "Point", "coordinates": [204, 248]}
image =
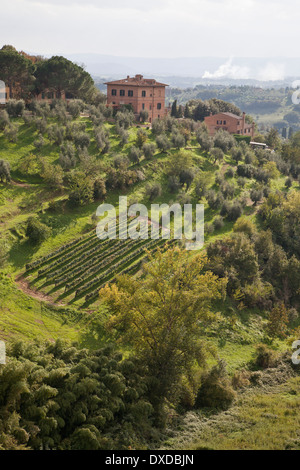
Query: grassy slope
{"type": "Point", "coordinates": [27, 318]}
{"type": "Point", "coordinates": [24, 317]}
{"type": "Point", "coordinates": [263, 418]}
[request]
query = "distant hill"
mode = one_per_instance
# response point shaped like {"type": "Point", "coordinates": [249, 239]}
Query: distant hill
{"type": "Point", "coordinates": [210, 68]}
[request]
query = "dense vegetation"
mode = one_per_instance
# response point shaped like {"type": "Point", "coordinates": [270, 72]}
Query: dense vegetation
{"type": "Point", "coordinates": [270, 107]}
{"type": "Point", "coordinates": [152, 334]}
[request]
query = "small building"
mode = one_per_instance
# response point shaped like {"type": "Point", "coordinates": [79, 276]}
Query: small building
{"type": "Point", "coordinates": [259, 145]}
{"type": "Point", "coordinates": [229, 122]}
{"type": "Point", "coordinates": [48, 96]}
{"type": "Point", "coordinates": [143, 94]}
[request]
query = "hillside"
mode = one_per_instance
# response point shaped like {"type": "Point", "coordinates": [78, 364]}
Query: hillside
{"type": "Point", "coordinates": [58, 163]}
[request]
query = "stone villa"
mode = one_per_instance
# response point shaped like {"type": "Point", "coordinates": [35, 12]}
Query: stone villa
{"type": "Point", "coordinates": [143, 94]}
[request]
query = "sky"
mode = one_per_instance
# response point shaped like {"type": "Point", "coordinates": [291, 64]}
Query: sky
{"type": "Point", "coordinates": [153, 28]}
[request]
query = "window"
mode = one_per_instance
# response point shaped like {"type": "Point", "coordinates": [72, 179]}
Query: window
{"type": "Point", "coordinates": [43, 96]}
{"type": "Point", "coordinates": [224, 122]}
{"type": "Point", "coordinates": [143, 94]}
{"type": "Point", "coordinates": [130, 92]}
{"type": "Point", "coordinates": [50, 95]}
{"type": "Point", "coordinates": [143, 106]}
{"type": "Point", "coordinates": [158, 105]}
{"type": "Point", "coordinates": [122, 92]}
{"type": "Point", "coordinates": [150, 107]}
{"type": "Point", "coordinates": [114, 92]}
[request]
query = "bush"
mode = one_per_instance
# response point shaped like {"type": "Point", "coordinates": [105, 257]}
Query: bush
{"type": "Point", "coordinates": [36, 231]}
{"type": "Point", "coordinates": [256, 195]}
{"type": "Point", "coordinates": [82, 140]}
{"type": "Point", "coordinates": [230, 173]}
{"type": "Point", "coordinates": [99, 189]}
{"type": "Point", "coordinates": [153, 190]}
{"type": "Point", "coordinates": [243, 224]}
{"type": "Point", "coordinates": [224, 141]}
{"type": "Point", "coordinates": [4, 119]}
{"type": "Point", "coordinates": [163, 143]}
{"type": "Point", "coordinates": [235, 211]}
{"type": "Point", "coordinates": [217, 154]}
{"type": "Point", "coordinates": [11, 133]}
{"type": "Point", "coordinates": [264, 357]}
{"type": "Point", "coordinates": [4, 171]}
{"type": "Point", "coordinates": [135, 154]}
{"type": "Point", "coordinates": [218, 223]}
{"type": "Point", "coordinates": [173, 183]}
{"type": "Point", "coordinates": [149, 150]}
{"type": "Point", "coordinates": [216, 390]}
{"type": "Point", "coordinates": [15, 108]}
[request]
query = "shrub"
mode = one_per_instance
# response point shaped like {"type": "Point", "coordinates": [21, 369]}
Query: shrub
{"type": "Point", "coordinates": [288, 182]}
{"type": "Point", "coordinates": [230, 173]}
{"type": "Point", "coordinates": [149, 150]}
{"type": "Point", "coordinates": [82, 140]}
{"type": "Point", "coordinates": [36, 231]}
{"type": "Point", "coordinates": [4, 119]}
{"type": "Point", "coordinates": [153, 190]}
{"type": "Point", "coordinates": [243, 224]}
{"type": "Point", "coordinates": [264, 357]}
{"type": "Point", "coordinates": [135, 154]}
{"type": "Point", "coordinates": [217, 154]}
{"type": "Point", "coordinates": [4, 171]}
{"type": "Point", "coordinates": [216, 390]}
{"type": "Point", "coordinates": [144, 115]}
{"type": "Point", "coordinates": [256, 195]}
{"type": "Point", "coordinates": [163, 143]}
{"type": "Point", "coordinates": [38, 143]}
{"type": "Point", "coordinates": [15, 108]}
{"type": "Point", "coordinates": [11, 132]}
{"type": "Point", "coordinates": [173, 183]}
{"type": "Point", "coordinates": [218, 223]}
{"type": "Point", "coordinates": [99, 189]}
{"type": "Point", "coordinates": [235, 211]}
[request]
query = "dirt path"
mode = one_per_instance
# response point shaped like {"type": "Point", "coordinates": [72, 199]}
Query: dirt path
{"type": "Point", "coordinates": [21, 185]}
{"type": "Point", "coordinates": [24, 286]}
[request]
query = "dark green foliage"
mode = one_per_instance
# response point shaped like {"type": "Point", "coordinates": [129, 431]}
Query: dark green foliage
{"type": "Point", "coordinates": [149, 150]}
{"type": "Point", "coordinates": [99, 189]}
{"type": "Point", "coordinates": [59, 74]}
{"type": "Point", "coordinates": [216, 390]}
{"type": "Point", "coordinates": [81, 189]}
{"type": "Point", "coordinates": [36, 231]}
{"type": "Point", "coordinates": [15, 108]}
{"type": "Point", "coordinates": [153, 190]}
{"type": "Point", "coordinates": [56, 396]}
{"type": "Point", "coordinates": [135, 154]}
{"type": "Point", "coordinates": [163, 142]}
{"type": "Point", "coordinates": [235, 258]}
{"type": "Point", "coordinates": [4, 171]}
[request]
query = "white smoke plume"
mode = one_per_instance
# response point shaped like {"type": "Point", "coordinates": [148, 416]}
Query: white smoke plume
{"type": "Point", "coordinates": [228, 70]}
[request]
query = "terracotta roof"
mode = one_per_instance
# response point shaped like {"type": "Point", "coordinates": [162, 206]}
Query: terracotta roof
{"type": "Point", "coordinates": [231, 115]}
{"type": "Point", "coordinates": [138, 80]}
